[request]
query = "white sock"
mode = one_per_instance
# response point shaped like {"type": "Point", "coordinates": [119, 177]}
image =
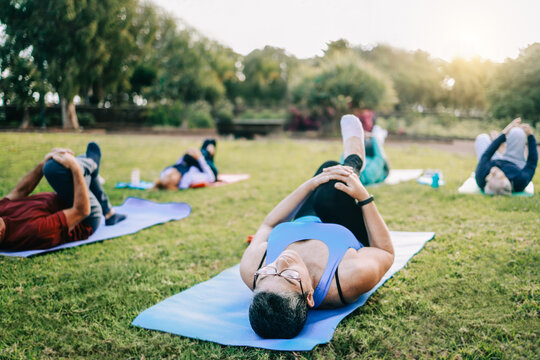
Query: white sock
{"type": "Point", "coordinates": [351, 126]}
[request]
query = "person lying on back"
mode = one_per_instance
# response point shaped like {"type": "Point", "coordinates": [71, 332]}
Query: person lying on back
{"type": "Point", "coordinates": [503, 174]}
{"type": "Point", "coordinates": [195, 168]}
{"type": "Point", "coordinates": [45, 220]}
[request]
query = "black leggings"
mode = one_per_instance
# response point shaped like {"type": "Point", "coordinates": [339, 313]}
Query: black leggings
{"type": "Point", "coordinates": [334, 206]}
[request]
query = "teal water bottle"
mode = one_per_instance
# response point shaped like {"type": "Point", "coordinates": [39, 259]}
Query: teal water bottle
{"type": "Point", "coordinates": [435, 180]}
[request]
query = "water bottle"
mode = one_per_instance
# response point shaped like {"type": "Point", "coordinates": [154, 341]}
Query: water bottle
{"type": "Point", "coordinates": [135, 177]}
{"type": "Point", "coordinates": [435, 180]}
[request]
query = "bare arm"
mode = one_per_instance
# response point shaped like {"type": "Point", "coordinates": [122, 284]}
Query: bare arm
{"type": "Point", "coordinates": [369, 264]}
{"type": "Point", "coordinates": [29, 182]}
{"type": "Point", "coordinates": [81, 202]}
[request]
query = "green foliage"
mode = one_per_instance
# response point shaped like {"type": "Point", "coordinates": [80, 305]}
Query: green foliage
{"type": "Point", "coordinates": [471, 293]}
{"type": "Point", "coordinates": [199, 115]}
{"type": "Point", "coordinates": [470, 80]}
{"type": "Point", "coordinates": [117, 50]}
{"type": "Point", "coordinates": [339, 83]}
{"type": "Point", "coordinates": [263, 113]}
{"type": "Point", "coordinates": [52, 119]}
{"type": "Point", "coordinates": [84, 45]}
{"type": "Point", "coordinates": [223, 111]}
{"type": "Point", "coordinates": [142, 76]}
{"type": "Point", "coordinates": [86, 119]}
{"type": "Point", "coordinates": [266, 73]}
{"type": "Point", "coordinates": [416, 76]}
{"type": "Point", "coordinates": [171, 115]}
{"type": "Point", "coordinates": [21, 81]}
{"type": "Point", "coordinates": [515, 87]}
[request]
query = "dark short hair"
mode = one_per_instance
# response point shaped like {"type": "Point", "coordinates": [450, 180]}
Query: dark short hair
{"type": "Point", "coordinates": [278, 316]}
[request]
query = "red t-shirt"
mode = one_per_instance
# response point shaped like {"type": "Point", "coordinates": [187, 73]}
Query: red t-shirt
{"type": "Point", "coordinates": [37, 222]}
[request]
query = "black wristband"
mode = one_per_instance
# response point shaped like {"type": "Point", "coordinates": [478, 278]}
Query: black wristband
{"type": "Point", "coordinates": [365, 202]}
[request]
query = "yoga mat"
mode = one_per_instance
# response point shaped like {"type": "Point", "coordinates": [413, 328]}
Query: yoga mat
{"type": "Point", "coordinates": [400, 175]}
{"type": "Point", "coordinates": [470, 187]}
{"type": "Point", "coordinates": [142, 185]}
{"type": "Point", "coordinates": [224, 179]}
{"type": "Point", "coordinates": [140, 213]}
{"type": "Point", "coordinates": [217, 310]}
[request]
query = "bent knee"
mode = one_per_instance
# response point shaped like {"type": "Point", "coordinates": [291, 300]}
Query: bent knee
{"type": "Point", "coordinates": [53, 168]}
{"type": "Point", "coordinates": [329, 198]}
{"type": "Point", "coordinates": [483, 137]}
{"type": "Point", "coordinates": [517, 133]}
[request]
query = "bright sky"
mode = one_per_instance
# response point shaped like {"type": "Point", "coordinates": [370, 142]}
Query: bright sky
{"type": "Point", "coordinates": [492, 29]}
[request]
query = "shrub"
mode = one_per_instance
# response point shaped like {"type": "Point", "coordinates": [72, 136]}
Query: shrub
{"type": "Point", "coordinates": [223, 112]}
{"type": "Point", "coordinates": [171, 115]}
{"type": "Point", "coordinates": [86, 119]}
{"type": "Point", "coordinates": [264, 113]}
{"type": "Point", "coordinates": [199, 115]}
{"type": "Point", "coordinates": [51, 119]}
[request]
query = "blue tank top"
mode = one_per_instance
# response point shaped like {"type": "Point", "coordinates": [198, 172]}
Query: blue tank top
{"type": "Point", "coordinates": [337, 238]}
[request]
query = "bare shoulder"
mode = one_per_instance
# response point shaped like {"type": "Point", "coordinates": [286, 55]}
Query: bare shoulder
{"type": "Point", "coordinates": [361, 270]}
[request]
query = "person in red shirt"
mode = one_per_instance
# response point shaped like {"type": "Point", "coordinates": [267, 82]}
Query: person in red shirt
{"type": "Point", "coordinates": [73, 213]}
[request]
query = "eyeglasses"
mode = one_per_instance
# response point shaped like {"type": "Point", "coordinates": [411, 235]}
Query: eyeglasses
{"type": "Point", "coordinates": [272, 271]}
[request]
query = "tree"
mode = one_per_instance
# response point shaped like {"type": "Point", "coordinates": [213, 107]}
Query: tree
{"type": "Point", "coordinates": [515, 88]}
{"type": "Point", "coordinates": [82, 43]}
{"type": "Point", "coordinates": [19, 83]}
{"type": "Point", "coordinates": [416, 76]}
{"type": "Point", "coordinates": [467, 82]}
{"type": "Point", "coordinates": [18, 77]}
{"type": "Point", "coordinates": [340, 83]}
{"type": "Point", "coordinates": [266, 76]}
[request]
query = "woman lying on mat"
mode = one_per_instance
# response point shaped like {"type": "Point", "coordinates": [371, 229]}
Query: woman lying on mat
{"type": "Point", "coordinates": [194, 169]}
{"type": "Point", "coordinates": [337, 248]}
{"type": "Point", "coordinates": [503, 174]}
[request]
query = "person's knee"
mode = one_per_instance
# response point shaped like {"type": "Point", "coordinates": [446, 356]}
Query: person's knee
{"type": "Point", "coordinates": [329, 163]}
{"type": "Point", "coordinates": [483, 137]}
{"type": "Point", "coordinates": [53, 169]}
{"type": "Point", "coordinates": [325, 165]}
{"type": "Point", "coordinates": [516, 133]}
{"type": "Point", "coordinates": [328, 199]}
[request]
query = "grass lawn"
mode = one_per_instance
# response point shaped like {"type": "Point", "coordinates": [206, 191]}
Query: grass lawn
{"type": "Point", "coordinates": [472, 292]}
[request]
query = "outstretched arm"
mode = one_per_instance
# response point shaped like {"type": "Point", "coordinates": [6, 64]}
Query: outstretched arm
{"type": "Point", "coordinates": [29, 182]}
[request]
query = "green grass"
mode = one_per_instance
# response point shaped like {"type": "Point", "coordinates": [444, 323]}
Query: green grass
{"type": "Point", "coordinates": [472, 292]}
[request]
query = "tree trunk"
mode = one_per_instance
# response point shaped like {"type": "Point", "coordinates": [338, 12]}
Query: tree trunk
{"type": "Point", "coordinates": [63, 108]}
{"type": "Point", "coordinates": [72, 115]}
{"type": "Point", "coordinates": [69, 115]}
{"type": "Point", "coordinates": [26, 119]}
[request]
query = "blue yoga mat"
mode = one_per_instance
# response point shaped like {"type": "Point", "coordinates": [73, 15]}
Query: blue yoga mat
{"type": "Point", "coordinates": [140, 213]}
{"type": "Point", "coordinates": [217, 310]}
{"type": "Point", "coordinates": [142, 185]}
